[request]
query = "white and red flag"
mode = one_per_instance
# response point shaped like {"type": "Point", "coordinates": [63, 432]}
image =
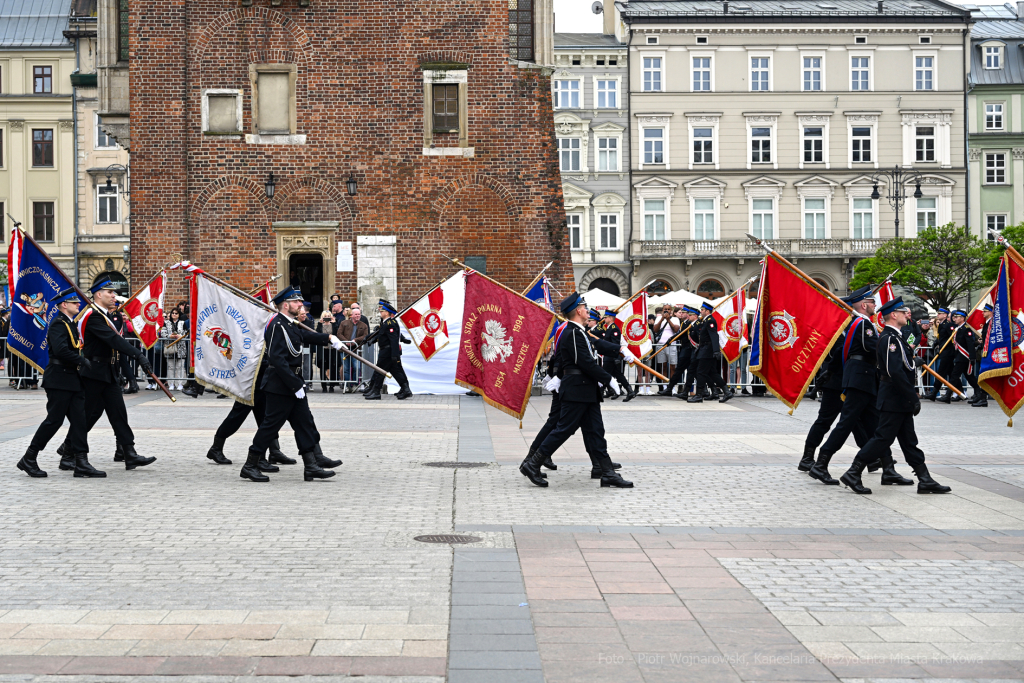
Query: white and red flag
{"type": "Point", "coordinates": [976, 318]}
{"type": "Point", "coordinates": [732, 325]}
{"type": "Point", "coordinates": [631, 318]}
{"type": "Point", "coordinates": [427, 321]}
{"type": "Point", "coordinates": [883, 296]}
{"type": "Point", "coordinates": [263, 294]}
{"type": "Point", "coordinates": [145, 310]}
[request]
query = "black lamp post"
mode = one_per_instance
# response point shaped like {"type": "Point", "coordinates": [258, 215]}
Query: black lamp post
{"type": "Point", "coordinates": [269, 186]}
{"type": "Point", "coordinates": [351, 184]}
{"type": "Point", "coordinates": [897, 180]}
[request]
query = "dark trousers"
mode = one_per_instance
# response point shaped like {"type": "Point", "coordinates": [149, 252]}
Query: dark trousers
{"type": "Point", "coordinates": [233, 422]}
{"type": "Point", "coordinates": [829, 407]}
{"type": "Point", "coordinates": [858, 417]}
{"type": "Point", "coordinates": [283, 408]}
{"type": "Point", "coordinates": [392, 365]}
{"type": "Point", "coordinates": [614, 368]}
{"type": "Point", "coordinates": [960, 365]}
{"type": "Point", "coordinates": [106, 397]}
{"type": "Point", "coordinates": [681, 371]}
{"type": "Point", "coordinates": [893, 427]}
{"type": "Point", "coordinates": [943, 366]}
{"type": "Point", "coordinates": [575, 415]}
{"type": "Point", "coordinates": [552, 421]}
{"type": "Point", "coordinates": [709, 371]}
{"type": "Point", "coordinates": [61, 404]}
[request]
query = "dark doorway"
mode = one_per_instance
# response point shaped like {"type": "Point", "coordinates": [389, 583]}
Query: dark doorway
{"type": "Point", "coordinates": [306, 273]}
{"type": "Point", "coordinates": [605, 284]}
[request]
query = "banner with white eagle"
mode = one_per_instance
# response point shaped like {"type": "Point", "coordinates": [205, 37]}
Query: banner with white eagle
{"type": "Point", "coordinates": [228, 339]}
{"type": "Point", "coordinates": [732, 325]}
{"type": "Point", "coordinates": [146, 310]}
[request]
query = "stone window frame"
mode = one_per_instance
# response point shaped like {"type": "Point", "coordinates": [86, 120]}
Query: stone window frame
{"type": "Point", "coordinates": [97, 131]}
{"type": "Point", "coordinates": [660, 70]}
{"type": "Point", "coordinates": [996, 214]}
{"type": "Point", "coordinates": [556, 92]}
{"type": "Point", "coordinates": [815, 120]}
{"type": "Point", "coordinates": [705, 188]}
{"type": "Point", "coordinates": [763, 121]}
{"type": "Point", "coordinates": [704, 120]}
{"type": "Point", "coordinates": [1002, 114]}
{"type": "Point", "coordinates": [662, 121]}
{"type": "Point", "coordinates": [862, 120]}
{"type": "Point", "coordinates": [934, 54]}
{"type": "Point", "coordinates": [933, 186]}
{"type": "Point", "coordinates": [1000, 54]}
{"type": "Point", "coordinates": [764, 188]}
{"type": "Point", "coordinates": [290, 138]}
{"type": "Point", "coordinates": [609, 204]}
{"type": "Point", "coordinates": [762, 53]}
{"type": "Point", "coordinates": [569, 125]}
{"type": "Point", "coordinates": [861, 52]}
{"type": "Point", "coordinates": [577, 203]}
{"type": "Point", "coordinates": [941, 120]}
{"type": "Point", "coordinates": [618, 92]}
{"type": "Point", "coordinates": [1005, 153]}
{"type": "Point", "coordinates": [116, 186]}
{"type": "Point", "coordinates": [445, 74]}
{"type": "Point", "coordinates": [608, 130]}
{"type": "Point", "coordinates": [708, 54]}
{"type": "Point", "coordinates": [811, 54]}
{"type": "Point", "coordinates": [816, 188]}
{"type": "Point", "coordinates": [648, 190]}
{"type": "Point", "coordinates": [205, 109]}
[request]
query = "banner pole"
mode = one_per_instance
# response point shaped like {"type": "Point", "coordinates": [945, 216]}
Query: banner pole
{"type": "Point", "coordinates": [683, 331]}
{"type": "Point", "coordinates": [162, 270]}
{"type": "Point", "coordinates": [370, 338]}
{"type": "Point", "coordinates": [807, 278]}
{"type": "Point", "coordinates": [637, 363]}
{"type": "Point", "coordinates": [492, 280]}
{"type": "Point", "coordinates": [888, 278]}
{"type": "Point", "coordinates": [642, 290]}
{"type": "Point", "coordinates": [89, 303]}
{"type": "Point", "coordinates": [536, 279]}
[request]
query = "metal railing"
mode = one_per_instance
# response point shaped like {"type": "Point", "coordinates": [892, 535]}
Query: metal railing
{"type": "Point", "coordinates": [745, 248]}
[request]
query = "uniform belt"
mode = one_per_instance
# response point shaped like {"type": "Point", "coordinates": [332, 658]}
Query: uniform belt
{"type": "Point", "coordinates": [97, 359]}
{"type": "Point", "coordinates": [572, 371]}
{"type": "Point", "coordinates": [857, 357]}
{"type": "Point", "coordinates": [58, 361]}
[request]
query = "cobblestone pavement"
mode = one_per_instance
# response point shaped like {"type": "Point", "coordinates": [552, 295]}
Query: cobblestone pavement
{"type": "Point", "coordinates": [723, 564]}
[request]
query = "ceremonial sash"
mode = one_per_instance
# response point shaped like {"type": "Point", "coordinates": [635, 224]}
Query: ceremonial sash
{"type": "Point", "coordinates": [558, 334]}
{"type": "Point", "coordinates": [849, 337]}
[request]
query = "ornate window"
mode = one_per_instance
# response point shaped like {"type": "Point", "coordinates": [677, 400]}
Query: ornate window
{"type": "Point", "coordinates": [520, 29]}
{"type": "Point", "coordinates": [711, 289]}
{"type": "Point", "coordinates": [122, 30]}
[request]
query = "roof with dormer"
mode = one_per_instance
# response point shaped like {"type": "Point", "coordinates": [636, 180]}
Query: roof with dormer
{"type": "Point", "coordinates": [997, 26]}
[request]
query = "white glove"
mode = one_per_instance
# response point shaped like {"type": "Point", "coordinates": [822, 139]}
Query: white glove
{"type": "Point", "coordinates": [553, 384]}
{"type": "Point", "coordinates": [301, 393]}
{"type": "Point", "coordinates": [614, 384]}
{"type": "Point", "coordinates": [630, 358]}
{"type": "Point", "coordinates": [336, 343]}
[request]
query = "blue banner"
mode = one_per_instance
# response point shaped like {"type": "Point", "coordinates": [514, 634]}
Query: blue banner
{"type": "Point", "coordinates": [997, 355]}
{"type": "Point", "coordinates": [31, 310]}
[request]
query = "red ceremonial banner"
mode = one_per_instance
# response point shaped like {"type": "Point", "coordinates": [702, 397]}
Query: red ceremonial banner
{"type": "Point", "coordinates": [797, 323]}
{"type": "Point", "coordinates": [145, 310]}
{"type": "Point", "coordinates": [503, 334]}
{"type": "Point", "coordinates": [732, 324]}
{"type": "Point", "coordinates": [1008, 389]}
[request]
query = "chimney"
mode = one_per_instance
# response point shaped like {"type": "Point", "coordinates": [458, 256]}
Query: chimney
{"type": "Point", "coordinates": [1020, 10]}
{"type": "Point", "coordinates": [610, 17]}
{"type": "Point", "coordinates": [881, 6]}
{"type": "Point", "coordinates": [725, 7]}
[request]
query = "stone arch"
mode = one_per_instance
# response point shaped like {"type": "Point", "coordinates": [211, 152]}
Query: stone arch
{"type": "Point", "coordinates": [721, 277]}
{"type": "Point", "coordinates": [231, 234]}
{"type": "Point", "coordinates": [821, 276]}
{"type": "Point", "coordinates": [480, 179]}
{"type": "Point", "coordinates": [444, 57]}
{"type": "Point", "coordinates": [320, 196]}
{"type": "Point", "coordinates": [667, 277]}
{"type": "Point", "coordinates": [614, 274]}
{"type": "Point", "coordinates": [244, 182]}
{"type": "Point", "coordinates": [299, 36]}
{"type": "Point", "coordinates": [475, 222]}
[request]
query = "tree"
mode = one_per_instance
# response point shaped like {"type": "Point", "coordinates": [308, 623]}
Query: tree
{"type": "Point", "coordinates": [941, 264]}
{"type": "Point", "coordinates": [1014, 234]}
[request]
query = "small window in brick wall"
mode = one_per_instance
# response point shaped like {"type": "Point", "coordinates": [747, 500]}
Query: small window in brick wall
{"type": "Point", "coordinates": [520, 29]}
{"type": "Point", "coordinates": [446, 118]}
{"type": "Point", "coordinates": [273, 99]}
{"type": "Point", "coordinates": [446, 108]}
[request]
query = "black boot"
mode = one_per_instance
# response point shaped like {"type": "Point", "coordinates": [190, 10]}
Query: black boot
{"type": "Point", "coordinates": [890, 476]}
{"type": "Point", "coordinates": [695, 399]}
{"type": "Point", "coordinates": [405, 393]}
{"type": "Point", "coordinates": [314, 471]}
{"type": "Point", "coordinates": [84, 469]}
{"type": "Point", "coordinates": [851, 478]}
{"type": "Point", "coordinates": [597, 473]}
{"type": "Point", "coordinates": [530, 468]}
{"type": "Point", "coordinates": [932, 395]}
{"type": "Point", "coordinates": [947, 399]}
{"type": "Point", "coordinates": [611, 478]}
{"type": "Point", "coordinates": [925, 483]}
{"type": "Point", "coordinates": [630, 394]}
{"type": "Point", "coordinates": [819, 470]}
{"type": "Point", "coordinates": [216, 452]}
{"type": "Point", "coordinates": [807, 462]}
{"type": "Point", "coordinates": [323, 460]}
{"type": "Point", "coordinates": [251, 470]}
{"type": "Point", "coordinates": [539, 471]}
{"type": "Point", "coordinates": [133, 459]}
{"type": "Point", "coordinates": [549, 463]}
{"type": "Point", "coordinates": [875, 466]}
{"type": "Point", "coordinates": [727, 393]}
{"type": "Point", "coordinates": [372, 394]}
{"type": "Point", "coordinates": [119, 453]}
{"type": "Point", "coordinates": [666, 390]}
{"type": "Point", "coordinates": [67, 458]}
{"type": "Point", "coordinates": [277, 456]}
{"type": "Point", "coordinates": [982, 401]}
{"type": "Point", "coordinates": [264, 465]}
{"type": "Point", "coordinates": [28, 465]}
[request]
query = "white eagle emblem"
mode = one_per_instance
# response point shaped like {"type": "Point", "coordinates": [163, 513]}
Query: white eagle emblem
{"type": "Point", "coordinates": [495, 345]}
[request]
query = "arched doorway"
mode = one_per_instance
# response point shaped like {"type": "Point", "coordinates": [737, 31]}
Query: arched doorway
{"type": "Point", "coordinates": [305, 273]}
{"type": "Point", "coordinates": [605, 285]}
{"type": "Point", "coordinates": [710, 288]}
{"type": "Point", "coordinates": [115, 277]}
{"type": "Point", "coordinates": [659, 287]}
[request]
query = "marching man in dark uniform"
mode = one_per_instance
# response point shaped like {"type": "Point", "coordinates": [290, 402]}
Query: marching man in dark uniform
{"type": "Point", "coordinates": [684, 358]}
{"type": "Point", "coordinates": [580, 394]}
{"type": "Point", "coordinates": [963, 346]}
{"type": "Point", "coordinates": [286, 390]}
{"type": "Point", "coordinates": [612, 361]}
{"type": "Point", "coordinates": [389, 354]}
{"type": "Point", "coordinates": [709, 357]}
{"type": "Point", "coordinates": [103, 346]}
{"type": "Point", "coordinates": [980, 399]}
{"type": "Point", "coordinates": [897, 405]}
{"type": "Point", "coordinates": [64, 394]}
{"type": "Point", "coordinates": [860, 389]}
{"type": "Point", "coordinates": [944, 327]}
{"type": "Point", "coordinates": [830, 384]}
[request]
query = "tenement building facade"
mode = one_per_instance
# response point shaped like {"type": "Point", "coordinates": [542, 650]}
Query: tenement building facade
{"type": "Point", "coordinates": [347, 146]}
{"type": "Point", "coordinates": [777, 119]}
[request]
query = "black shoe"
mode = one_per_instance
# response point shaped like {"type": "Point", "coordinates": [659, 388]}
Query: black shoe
{"type": "Point", "coordinates": [540, 472]}
{"type": "Point", "coordinates": [982, 403]}
{"type": "Point", "coordinates": [118, 453]}
{"type": "Point", "coordinates": [613, 480]}
{"type": "Point", "coordinates": [596, 473]}
{"type": "Point", "coordinates": [277, 456]}
{"type": "Point", "coordinates": [851, 479]}
{"type": "Point", "coordinates": [84, 469]}
{"type": "Point", "coordinates": [819, 470]}
{"type": "Point", "coordinates": [695, 399]}
{"type": "Point", "coordinates": [28, 464]}
{"type": "Point", "coordinates": [807, 461]}
{"type": "Point", "coordinates": [405, 393]}
{"type": "Point", "coordinates": [875, 466]}
{"type": "Point", "coordinates": [331, 388]}
{"type": "Point", "coordinates": [925, 483]}
{"type": "Point", "coordinates": [932, 396]}
{"type": "Point", "coordinates": [664, 391]}
{"type": "Point", "coordinates": [531, 470]}
{"type": "Point", "coordinates": [956, 399]}
{"type": "Point", "coordinates": [312, 470]}
{"type": "Point", "coordinates": [216, 452]}
{"type": "Point", "coordinates": [726, 395]}
{"type": "Point", "coordinates": [323, 460]}
{"type": "Point", "coordinates": [549, 463]}
{"type": "Point", "coordinates": [372, 395]}
{"type": "Point", "coordinates": [190, 390]}
{"type": "Point", "coordinates": [67, 458]}
{"type": "Point", "coordinates": [890, 476]}
{"type": "Point", "coordinates": [133, 459]}
{"type": "Point", "coordinates": [264, 465]}
{"type": "Point", "coordinates": [947, 399]}
{"type": "Point", "coordinates": [251, 470]}
{"type": "Point", "coordinates": [745, 391]}
{"type": "Point", "coordinates": [630, 395]}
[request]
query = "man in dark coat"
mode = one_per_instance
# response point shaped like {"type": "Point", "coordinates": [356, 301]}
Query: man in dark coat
{"type": "Point", "coordinates": [897, 405]}
{"type": "Point", "coordinates": [581, 395]}
{"type": "Point", "coordinates": [612, 360]}
{"type": "Point", "coordinates": [103, 346]}
{"type": "Point", "coordinates": [685, 363]}
{"type": "Point", "coordinates": [980, 399]}
{"type": "Point", "coordinates": [389, 354]}
{"type": "Point", "coordinates": [64, 394]}
{"type": "Point", "coordinates": [944, 329]}
{"type": "Point", "coordinates": [963, 346]}
{"type": "Point", "coordinates": [286, 390]}
{"type": "Point", "coordinates": [709, 357]}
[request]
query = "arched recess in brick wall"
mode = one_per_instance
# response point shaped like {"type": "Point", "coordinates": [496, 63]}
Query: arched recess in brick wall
{"type": "Point", "coordinates": [312, 199]}
{"type": "Point", "coordinates": [231, 234]}
{"type": "Point", "coordinates": [476, 222]}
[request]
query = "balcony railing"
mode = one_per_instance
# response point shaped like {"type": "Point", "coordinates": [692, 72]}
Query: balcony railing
{"type": "Point", "coordinates": [745, 248]}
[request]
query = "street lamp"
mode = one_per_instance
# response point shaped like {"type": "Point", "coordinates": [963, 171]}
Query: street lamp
{"type": "Point", "coordinates": [351, 184]}
{"type": "Point", "coordinates": [269, 186]}
{"type": "Point", "coordinates": [897, 180]}
{"type": "Point", "coordinates": [113, 169]}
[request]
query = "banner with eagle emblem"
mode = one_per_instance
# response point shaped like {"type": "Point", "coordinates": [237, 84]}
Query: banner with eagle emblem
{"type": "Point", "coordinates": [146, 310]}
{"type": "Point", "coordinates": [1001, 372]}
{"type": "Point", "coordinates": [631, 318]}
{"type": "Point", "coordinates": [732, 325]}
{"type": "Point", "coordinates": [503, 334]}
{"type": "Point", "coordinates": [228, 340]}
{"type": "Point", "coordinates": [426, 320]}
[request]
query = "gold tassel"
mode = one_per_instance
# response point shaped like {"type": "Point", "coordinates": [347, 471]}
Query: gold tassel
{"type": "Point", "coordinates": [520, 424]}
{"type": "Point", "coordinates": [1010, 423]}
{"type": "Point", "coordinates": [790, 411]}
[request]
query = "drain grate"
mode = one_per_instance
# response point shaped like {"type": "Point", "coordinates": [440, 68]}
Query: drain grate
{"type": "Point", "coordinates": [447, 538]}
{"type": "Point", "coordinates": [452, 464]}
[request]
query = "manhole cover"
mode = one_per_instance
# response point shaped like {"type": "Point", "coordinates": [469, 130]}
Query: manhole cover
{"type": "Point", "coordinates": [447, 538]}
{"type": "Point", "coordinates": [453, 464]}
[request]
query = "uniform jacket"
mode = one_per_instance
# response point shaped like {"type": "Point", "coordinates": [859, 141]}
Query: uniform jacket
{"type": "Point", "coordinates": [65, 356]}
{"type": "Point", "coordinates": [708, 338]}
{"type": "Point", "coordinates": [578, 367]}
{"type": "Point", "coordinates": [609, 348]}
{"type": "Point", "coordinates": [859, 344]}
{"type": "Point", "coordinates": [963, 344]}
{"type": "Point", "coordinates": [389, 343]}
{"type": "Point", "coordinates": [981, 342]}
{"type": "Point", "coordinates": [831, 376]}
{"type": "Point", "coordinates": [102, 346]}
{"type": "Point", "coordinates": [687, 343]}
{"type": "Point", "coordinates": [897, 392]}
{"type": "Point", "coordinates": [944, 329]}
{"type": "Point", "coordinates": [284, 341]}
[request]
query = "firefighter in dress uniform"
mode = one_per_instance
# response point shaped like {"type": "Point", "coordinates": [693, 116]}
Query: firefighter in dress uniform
{"type": "Point", "coordinates": [709, 357]}
{"type": "Point", "coordinates": [684, 358]}
{"type": "Point", "coordinates": [389, 354]}
{"type": "Point", "coordinates": [964, 346]}
{"type": "Point", "coordinates": [944, 327]}
{"type": "Point", "coordinates": [613, 358]}
{"type": "Point", "coordinates": [980, 399]}
{"type": "Point", "coordinates": [64, 394]}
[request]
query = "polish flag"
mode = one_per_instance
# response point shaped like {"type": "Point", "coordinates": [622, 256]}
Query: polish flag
{"type": "Point", "coordinates": [427, 322]}
{"type": "Point", "coordinates": [732, 325]}
{"type": "Point", "coordinates": [263, 294]}
{"type": "Point", "coordinates": [883, 296]}
{"type": "Point", "coordinates": [976, 319]}
{"type": "Point", "coordinates": [632, 321]}
{"type": "Point", "coordinates": [146, 310]}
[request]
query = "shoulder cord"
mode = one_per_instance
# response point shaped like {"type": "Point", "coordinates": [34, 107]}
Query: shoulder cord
{"type": "Point", "coordinates": [288, 341]}
{"type": "Point", "coordinates": [77, 344]}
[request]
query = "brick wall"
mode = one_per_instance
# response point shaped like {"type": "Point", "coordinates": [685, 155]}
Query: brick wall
{"type": "Point", "coordinates": [360, 104]}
